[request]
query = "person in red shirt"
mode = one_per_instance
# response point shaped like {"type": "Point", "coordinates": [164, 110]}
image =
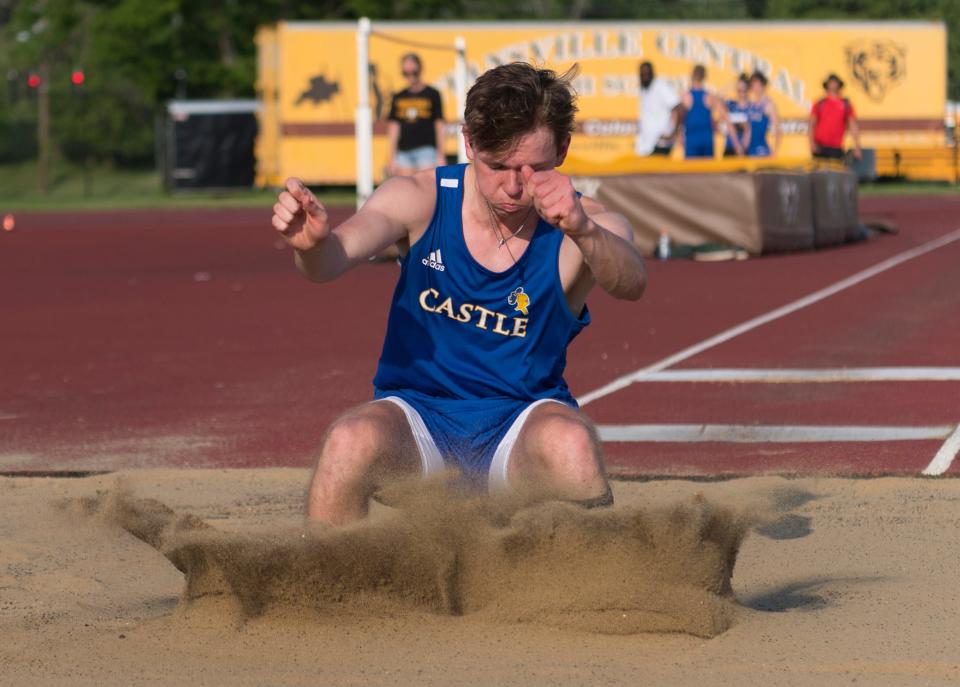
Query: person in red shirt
{"type": "Point", "coordinates": [830, 118]}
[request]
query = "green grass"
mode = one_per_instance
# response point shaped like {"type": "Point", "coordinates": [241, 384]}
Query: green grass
{"type": "Point", "coordinates": [107, 188]}
{"type": "Point", "coordinates": [118, 189]}
{"type": "Point", "coordinates": [908, 188]}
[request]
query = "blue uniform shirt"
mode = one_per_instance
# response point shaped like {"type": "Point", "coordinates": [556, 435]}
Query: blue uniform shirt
{"type": "Point", "coordinates": [467, 343]}
{"type": "Point", "coordinates": [698, 126]}
{"type": "Point", "coordinates": [737, 114]}
{"type": "Point", "coordinates": [759, 123]}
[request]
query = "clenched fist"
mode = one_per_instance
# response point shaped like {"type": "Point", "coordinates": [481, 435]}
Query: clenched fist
{"type": "Point", "coordinates": [299, 217]}
{"type": "Point", "coordinates": [555, 199]}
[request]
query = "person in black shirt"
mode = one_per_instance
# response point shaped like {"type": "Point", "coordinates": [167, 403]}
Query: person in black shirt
{"type": "Point", "coordinates": [415, 127]}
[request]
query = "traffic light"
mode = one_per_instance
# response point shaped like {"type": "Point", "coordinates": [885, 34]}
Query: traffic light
{"type": "Point", "coordinates": [33, 80]}
{"type": "Point", "coordinates": [77, 77]}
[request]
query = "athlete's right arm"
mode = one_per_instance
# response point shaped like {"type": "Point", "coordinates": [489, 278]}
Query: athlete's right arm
{"type": "Point", "coordinates": [400, 208]}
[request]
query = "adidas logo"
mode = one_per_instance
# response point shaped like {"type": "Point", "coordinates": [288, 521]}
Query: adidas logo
{"type": "Point", "coordinates": [435, 261]}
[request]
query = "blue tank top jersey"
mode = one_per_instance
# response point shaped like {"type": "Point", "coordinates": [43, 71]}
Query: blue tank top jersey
{"type": "Point", "coordinates": [698, 126]}
{"type": "Point", "coordinates": [737, 114]}
{"type": "Point", "coordinates": [759, 123]}
{"type": "Point", "coordinates": [461, 332]}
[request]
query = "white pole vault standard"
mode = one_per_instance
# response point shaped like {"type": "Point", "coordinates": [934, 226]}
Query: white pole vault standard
{"type": "Point", "coordinates": [945, 456]}
{"type": "Point", "coordinates": [363, 123]}
{"type": "Point", "coordinates": [806, 376]}
{"type": "Point", "coordinates": [696, 349]}
{"type": "Point", "coordinates": [460, 80]}
{"type": "Point", "coordinates": [776, 434]}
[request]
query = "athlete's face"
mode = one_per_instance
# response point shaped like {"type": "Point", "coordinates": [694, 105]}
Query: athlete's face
{"type": "Point", "coordinates": [757, 87]}
{"type": "Point", "coordinates": [499, 178]}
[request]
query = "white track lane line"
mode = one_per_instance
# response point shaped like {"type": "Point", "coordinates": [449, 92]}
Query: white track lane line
{"type": "Point", "coordinates": [945, 456]}
{"type": "Point", "coordinates": [780, 434]}
{"type": "Point", "coordinates": [806, 376]}
{"type": "Point", "coordinates": [889, 263]}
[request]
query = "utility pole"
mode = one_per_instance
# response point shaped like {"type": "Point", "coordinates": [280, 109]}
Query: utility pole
{"type": "Point", "coordinates": [43, 130]}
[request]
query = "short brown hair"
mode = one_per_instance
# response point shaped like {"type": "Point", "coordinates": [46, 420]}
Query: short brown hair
{"type": "Point", "coordinates": [514, 99]}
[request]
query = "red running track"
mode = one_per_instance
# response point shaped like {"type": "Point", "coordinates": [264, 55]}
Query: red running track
{"type": "Point", "coordinates": [187, 338]}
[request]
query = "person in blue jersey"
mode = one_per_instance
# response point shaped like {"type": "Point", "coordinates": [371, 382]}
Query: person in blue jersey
{"type": "Point", "coordinates": [700, 107]}
{"type": "Point", "coordinates": [498, 258]}
{"type": "Point", "coordinates": [739, 128]}
{"type": "Point", "coordinates": [763, 117]}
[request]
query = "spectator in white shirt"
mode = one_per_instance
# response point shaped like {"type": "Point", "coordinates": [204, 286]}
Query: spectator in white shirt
{"type": "Point", "coordinates": [659, 114]}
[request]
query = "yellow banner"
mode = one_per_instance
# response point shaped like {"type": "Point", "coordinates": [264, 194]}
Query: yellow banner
{"type": "Point", "coordinates": [895, 74]}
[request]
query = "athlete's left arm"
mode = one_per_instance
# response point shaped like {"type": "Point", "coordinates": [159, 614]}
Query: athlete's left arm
{"type": "Point", "coordinates": [598, 247]}
{"type": "Point", "coordinates": [604, 254]}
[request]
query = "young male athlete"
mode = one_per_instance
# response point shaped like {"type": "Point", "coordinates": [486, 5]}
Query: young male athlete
{"type": "Point", "coordinates": [498, 258]}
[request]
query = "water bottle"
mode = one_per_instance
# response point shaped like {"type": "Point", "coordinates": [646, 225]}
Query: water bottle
{"type": "Point", "coordinates": [663, 246]}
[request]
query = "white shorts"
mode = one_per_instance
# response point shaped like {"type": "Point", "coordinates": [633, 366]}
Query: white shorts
{"type": "Point", "coordinates": [432, 461]}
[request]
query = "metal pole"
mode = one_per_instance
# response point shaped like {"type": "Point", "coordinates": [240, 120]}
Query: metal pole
{"type": "Point", "coordinates": [364, 117]}
{"type": "Point", "coordinates": [460, 80]}
{"type": "Point", "coordinates": [43, 130]}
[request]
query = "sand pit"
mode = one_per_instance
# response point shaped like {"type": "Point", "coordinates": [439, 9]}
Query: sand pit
{"type": "Point", "coordinates": [617, 571]}
{"type": "Point", "coordinates": [166, 577]}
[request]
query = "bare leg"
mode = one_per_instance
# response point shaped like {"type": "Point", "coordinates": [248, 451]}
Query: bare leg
{"type": "Point", "coordinates": [558, 452]}
{"type": "Point", "coordinates": [363, 446]}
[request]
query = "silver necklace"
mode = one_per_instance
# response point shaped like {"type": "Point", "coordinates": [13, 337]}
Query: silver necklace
{"type": "Point", "coordinates": [501, 240]}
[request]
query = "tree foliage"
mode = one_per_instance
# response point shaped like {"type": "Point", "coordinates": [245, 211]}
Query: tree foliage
{"type": "Point", "coordinates": [137, 54]}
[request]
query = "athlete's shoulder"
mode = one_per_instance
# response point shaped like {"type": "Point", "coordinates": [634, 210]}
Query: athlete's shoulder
{"type": "Point", "coordinates": [408, 199]}
{"type": "Point", "coordinates": [411, 186]}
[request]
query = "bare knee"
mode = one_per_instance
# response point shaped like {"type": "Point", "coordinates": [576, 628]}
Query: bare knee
{"type": "Point", "coordinates": [360, 448]}
{"type": "Point", "coordinates": [568, 449]}
{"type": "Point", "coordinates": [559, 449]}
{"type": "Point", "coordinates": [355, 437]}
{"type": "Point", "coordinates": [365, 440]}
